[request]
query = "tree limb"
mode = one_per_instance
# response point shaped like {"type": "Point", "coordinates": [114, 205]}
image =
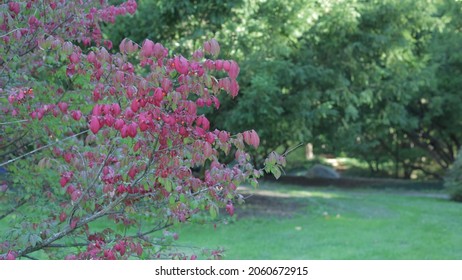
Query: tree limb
{"type": "Point", "coordinates": [68, 229]}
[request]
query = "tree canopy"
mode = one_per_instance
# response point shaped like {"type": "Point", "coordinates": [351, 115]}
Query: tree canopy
{"type": "Point", "coordinates": [378, 80]}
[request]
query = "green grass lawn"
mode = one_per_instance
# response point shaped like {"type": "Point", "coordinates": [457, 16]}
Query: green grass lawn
{"type": "Point", "coordinates": [339, 224]}
{"type": "Point", "coordinates": [290, 222]}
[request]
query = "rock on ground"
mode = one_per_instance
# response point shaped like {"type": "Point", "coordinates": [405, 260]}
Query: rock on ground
{"type": "Point", "coordinates": [322, 171]}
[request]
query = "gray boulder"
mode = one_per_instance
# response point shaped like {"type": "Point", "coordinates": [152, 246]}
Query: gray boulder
{"type": "Point", "coordinates": [322, 171]}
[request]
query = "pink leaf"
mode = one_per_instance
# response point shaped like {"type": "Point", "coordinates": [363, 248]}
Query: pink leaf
{"type": "Point", "coordinates": [203, 122]}
{"type": "Point", "coordinates": [147, 49]}
{"type": "Point", "coordinates": [94, 124]}
{"type": "Point", "coordinates": [166, 84]}
{"type": "Point", "coordinates": [198, 54]}
{"type": "Point", "coordinates": [97, 109]}
{"type": "Point", "coordinates": [247, 137]}
{"type": "Point", "coordinates": [68, 157]}
{"type": "Point", "coordinates": [219, 64]}
{"type": "Point", "coordinates": [124, 131]}
{"type": "Point", "coordinates": [230, 209]}
{"type": "Point", "coordinates": [137, 146]}
{"type": "Point", "coordinates": [233, 70]}
{"type": "Point", "coordinates": [207, 149]}
{"type": "Point", "coordinates": [139, 250]}
{"type": "Point", "coordinates": [91, 57]}
{"type": "Point", "coordinates": [62, 217]}
{"type": "Point", "coordinates": [210, 137]}
{"type": "Point", "coordinates": [200, 102]}
{"type": "Point", "coordinates": [63, 107]}
{"type": "Point", "coordinates": [226, 65]}
{"type": "Point", "coordinates": [76, 115]}
{"type": "Point", "coordinates": [10, 256]}
{"type": "Point", "coordinates": [74, 223]}
{"type": "Point", "coordinates": [11, 98]}
{"type": "Point", "coordinates": [181, 65]}
{"type": "Point", "coordinates": [223, 136]}
{"type": "Point", "coordinates": [119, 124]}
{"type": "Point", "coordinates": [70, 190]}
{"type": "Point", "coordinates": [74, 58]}
{"type": "Point", "coordinates": [119, 76]}
{"type": "Point", "coordinates": [254, 139]}
{"type": "Point", "coordinates": [135, 105]}
{"type": "Point", "coordinates": [63, 181]}
{"type": "Point", "coordinates": [76, 195]}
{"type": "Point", "coordinates": [132, 172]}
{"type": "Point", "coordinates": [109, 120]}
{"type": "Point", "coordinates": [207, 47]}
{"type": "Point", "coordinates": [158, 95]}
{"type": "Point", "coordinates": [214, 47]}
{"type": "Point", "coordinates": [123, 46]}
{"type": "Point", "coordinates": [109, 255]}
{"type": "Point", "coordinates": [234, 88]}
{"type": "Point", "coordinates": [14, 7]}
{"type": "Point", "coordinates": [115, 108]}
{"type": "Point", "coordinates": [132, 130]}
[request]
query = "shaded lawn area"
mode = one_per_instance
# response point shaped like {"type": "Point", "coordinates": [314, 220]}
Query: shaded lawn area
{"type": "Point", "coordinates": [289, 222]}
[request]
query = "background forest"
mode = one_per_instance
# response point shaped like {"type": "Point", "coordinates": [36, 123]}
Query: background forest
{"type": "Point", "coordinates": [374, 80]}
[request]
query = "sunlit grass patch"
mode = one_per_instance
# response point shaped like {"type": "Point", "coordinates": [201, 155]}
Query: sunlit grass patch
{"type": "Point", "coordinates": [339, 224]}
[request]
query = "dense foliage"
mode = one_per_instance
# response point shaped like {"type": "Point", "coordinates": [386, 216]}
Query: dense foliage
{"type": "Point", "coordinates": [88, 134]}
{"type": "Point", "coordinates": [453, 179]}
{"type": "Point", "coordinates": [376, 80]}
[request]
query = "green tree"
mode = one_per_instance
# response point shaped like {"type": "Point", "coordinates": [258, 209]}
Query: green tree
{"type": "Point", "coordinates": [377, 80]}
{"type": "Point", "coordinates": [183, 24]}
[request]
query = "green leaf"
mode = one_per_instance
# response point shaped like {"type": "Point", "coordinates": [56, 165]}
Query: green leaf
{"type": "Point", "coordinates": [171, 200]}
{"type": "Point", "coordinates": [34, 239]}
{"type": "Point", "coordinates": [276, 172]}
{"type": "Point", "coordinates": [213, 211]}
{"type": "Point", "coordinates": [168, 185]}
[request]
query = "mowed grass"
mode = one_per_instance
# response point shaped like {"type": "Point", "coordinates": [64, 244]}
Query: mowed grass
{"type": "Point", "coordinates": [339, 224]}
{"type": "Point", "coordinates": [329, 223]}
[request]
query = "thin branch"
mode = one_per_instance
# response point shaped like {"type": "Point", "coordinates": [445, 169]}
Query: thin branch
{"type": "Point", "coordinates": [141, 235]}
{"type": "Point", "coordinates": [15, 140]}
{"type": "Point", "coordinates": [68, 229]}
{"type": "Point", "coordinates": [111, 149]}
{"type": "Point", "coordinates": [30, 258]}
{"type": "Point", "coordinates": [6, 34]}
{"type": "Point", "coordinates": [41, 148]}
{"type": "Point", "coordinates": [13, 122]}
{"type": "Point", "coordinates": [12, 210]}
{"type": "Point", "coordinates": [17, 148]}
{"type": "Point", "coordinates": [77, 203]}
{"type": "Point", "coordinates": [66, 245]}
{"type": "Point", "coordinates": [292, 149]}
{"type": "Point", "coordinates": [151, 160]}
